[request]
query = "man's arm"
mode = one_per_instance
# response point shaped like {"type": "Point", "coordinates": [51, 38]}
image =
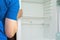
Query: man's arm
{"type": "Point", "coordinates": [11, 27]}
{"type": "Point", "coordinates": [11, 18]}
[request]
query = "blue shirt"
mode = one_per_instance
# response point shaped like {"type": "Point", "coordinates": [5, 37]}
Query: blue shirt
{"type": "Point", "coordinates": [8, 9]}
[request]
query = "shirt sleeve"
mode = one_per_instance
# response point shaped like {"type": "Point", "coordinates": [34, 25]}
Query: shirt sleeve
{"type": "Point", "coordinates": [13, 9]}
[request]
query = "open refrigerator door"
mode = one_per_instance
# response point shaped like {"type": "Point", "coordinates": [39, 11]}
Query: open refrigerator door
{"type": "Point", "coordinates": [58, 21]}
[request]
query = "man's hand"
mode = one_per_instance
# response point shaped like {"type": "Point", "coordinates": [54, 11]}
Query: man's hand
{"type": "Point", "coordinates": [20, 13]}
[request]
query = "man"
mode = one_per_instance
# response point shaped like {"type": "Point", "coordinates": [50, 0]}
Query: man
{"type": "Point", "coordinates": [8, 18]}
{"type": "Point", "coordinates": [19, 16]}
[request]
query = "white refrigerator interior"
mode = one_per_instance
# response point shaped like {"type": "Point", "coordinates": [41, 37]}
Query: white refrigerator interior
{"type": "Point", "coordinates": [39, 21]}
